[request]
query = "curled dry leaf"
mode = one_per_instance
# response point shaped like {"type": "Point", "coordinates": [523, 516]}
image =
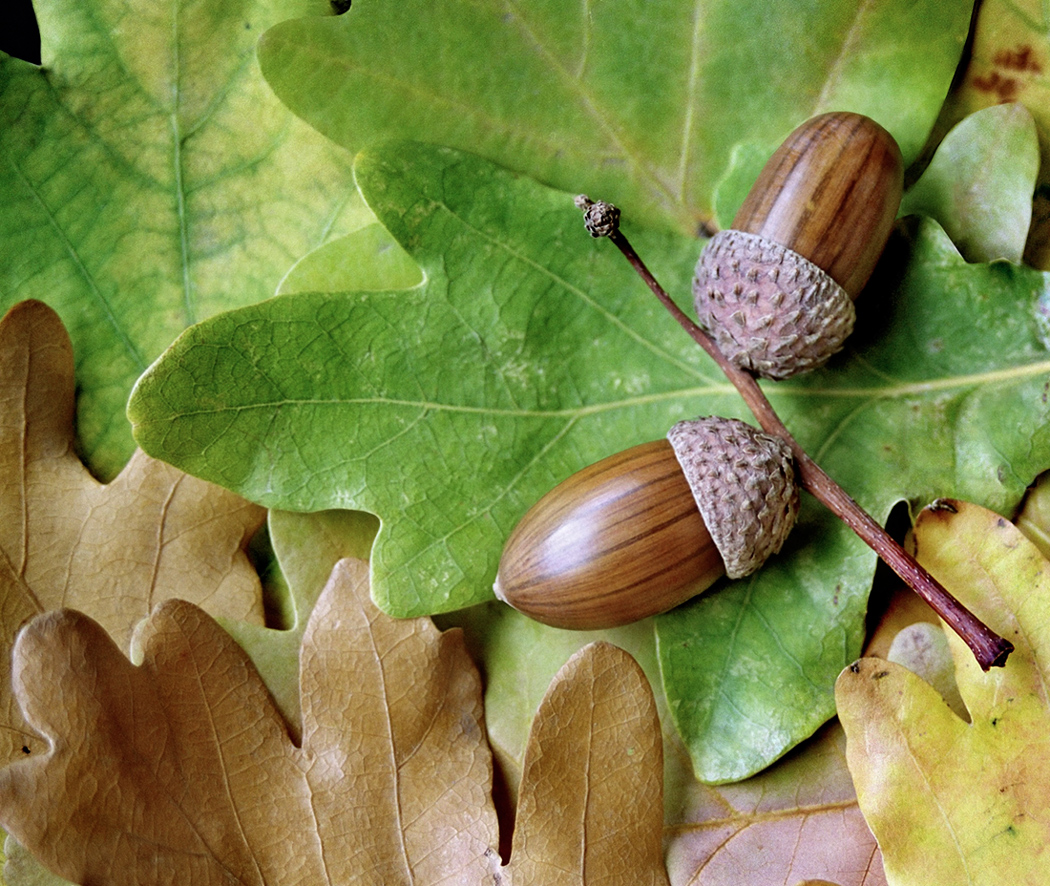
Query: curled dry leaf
{"type": "Point", "coordinates": [112, 551]}
{"type": "Point", "coordinates": [181, 769]}
{"type": "Point", "coordinates": [952, 801]}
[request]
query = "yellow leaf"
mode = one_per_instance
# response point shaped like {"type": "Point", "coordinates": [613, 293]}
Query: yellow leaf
{"type": "Point", "coordinates": [952, 801]}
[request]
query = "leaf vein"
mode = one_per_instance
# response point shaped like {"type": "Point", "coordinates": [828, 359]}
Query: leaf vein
{"type": "Point", "coordinates": [89, 279]}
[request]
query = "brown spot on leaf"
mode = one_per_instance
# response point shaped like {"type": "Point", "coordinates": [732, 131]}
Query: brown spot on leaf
{"type": "Point", "coordinates": [1021, 58]}
{"type": "Point", "coordinates": [1005, 89]}
{"type": "Point", "coordinates": [1011, 68]}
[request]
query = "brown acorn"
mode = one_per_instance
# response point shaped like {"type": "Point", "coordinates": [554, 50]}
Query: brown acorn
{"type": "Point", "coordinates": [776, 289]}
{"type": "Point", "coordinates": [646, 529]}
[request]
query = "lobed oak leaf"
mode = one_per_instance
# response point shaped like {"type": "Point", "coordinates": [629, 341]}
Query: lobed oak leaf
{"type": "Point", "coordinates": [952, 801]}
{"type": "Point", "coordinates": [533, 353]}
{"type": "Point", "coordinates": [181, 769]}
{"type": "Point", "coordinates": [112, 551]}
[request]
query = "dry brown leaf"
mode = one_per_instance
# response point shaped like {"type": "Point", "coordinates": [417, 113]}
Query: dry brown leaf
{"type": "Point", "coordinates": [799, 819]}
{"type": "Point", "coordinates": [590, 807]}
{"type": "Point", "coordinates": [181, 770]}
{"type": "Point", "coordinates": [112, 551]}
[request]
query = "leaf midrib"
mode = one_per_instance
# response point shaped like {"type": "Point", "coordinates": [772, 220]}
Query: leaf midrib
{"type": "Point", "coordinates": [900, 391]}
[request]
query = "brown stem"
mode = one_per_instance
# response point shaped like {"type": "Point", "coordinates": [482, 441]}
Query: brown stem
{"type": "Point", "coordinates": [990, 649]}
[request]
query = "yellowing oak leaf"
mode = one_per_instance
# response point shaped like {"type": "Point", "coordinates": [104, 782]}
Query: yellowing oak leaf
{"type": "Point", "coordinates": [181, 769]}
{"type": "Point", "coordinates": [952, 801]}
{"type": "Point", "coordinates": [112, 551]}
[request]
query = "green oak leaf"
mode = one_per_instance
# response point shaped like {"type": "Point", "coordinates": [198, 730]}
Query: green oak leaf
{"type": "Point", "coordinates": [504, 352]}
{"type": "Point", "coordinates": [640, 102]}
{"type": "Point", "coordinates": [148, 179]}
{"type": "Point", "coordinates": [530, 351]}
{"type": "Point", "coordinates": [983, 203]}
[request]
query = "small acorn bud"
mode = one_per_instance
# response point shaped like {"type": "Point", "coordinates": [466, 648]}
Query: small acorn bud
{"type": "Point", "coordinates": [645, 529]}
{"type": "Point", "coordinates": [776, 289]}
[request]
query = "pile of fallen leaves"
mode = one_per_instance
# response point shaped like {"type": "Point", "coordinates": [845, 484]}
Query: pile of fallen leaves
{"type": "Point", "coordinates": [170, 716]}
{"type": "Point", "coordinates": [181, 766]}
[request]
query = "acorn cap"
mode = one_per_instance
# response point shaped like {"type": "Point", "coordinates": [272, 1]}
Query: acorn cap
{"type": "Point", "coordinates": [744, 485]}
{"type": "Point", "coordinates": [769, 310]}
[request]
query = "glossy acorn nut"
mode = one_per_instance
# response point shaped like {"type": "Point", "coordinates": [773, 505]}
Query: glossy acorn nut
{"type": "Point", "coordinates": [776, 289]}
{"type": "Point", "coordinates": [646, 529]}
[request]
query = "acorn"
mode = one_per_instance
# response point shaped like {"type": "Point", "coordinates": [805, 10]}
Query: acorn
{"type": "Point", "coordinates": [646, 529]}
{"type": "Point", "coordinates": [776, 289]}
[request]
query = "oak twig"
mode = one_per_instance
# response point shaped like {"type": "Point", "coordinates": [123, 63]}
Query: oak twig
{"type": "Point", "coordinates": [990, 649]}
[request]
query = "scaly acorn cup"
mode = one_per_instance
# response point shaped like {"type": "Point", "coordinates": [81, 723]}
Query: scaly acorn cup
{"type": "Point", "coordinates": [644, 530]}
{"type": "Point", "coordinates": [776, 289]}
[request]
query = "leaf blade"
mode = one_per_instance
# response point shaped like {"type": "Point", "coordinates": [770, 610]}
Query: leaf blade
{"type": "Point", "coordinates": [973, 789]}
{"type": "Point", "coordinates": [183, 766]}
{"type": "Point", "coordinates": [136, 187]}
{"type": "Point", "coordinates": [610, 108]}
{"type": "Point", "coordinates": [111, 550]}
{"type": "Point", "coordinates": [590, 807]}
